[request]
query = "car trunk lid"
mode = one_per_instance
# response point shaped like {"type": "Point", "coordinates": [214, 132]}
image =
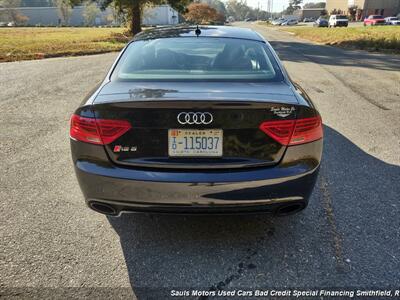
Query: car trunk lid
{"type": "Point", "coordinates": [236, 109]}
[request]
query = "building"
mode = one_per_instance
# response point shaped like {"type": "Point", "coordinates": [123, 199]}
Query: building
{"type": "Point", "coordinates": [309, 13]}
{"type": "Point", "coordinates": [364, 8]}
{"type": "Point", "coordinates": [160, 15]}
{"type": "Point", "coordinates": [49, 16]}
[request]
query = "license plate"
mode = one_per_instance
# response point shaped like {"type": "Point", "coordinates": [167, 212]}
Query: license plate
{"type": "Point", "coordinates": [188, 142]}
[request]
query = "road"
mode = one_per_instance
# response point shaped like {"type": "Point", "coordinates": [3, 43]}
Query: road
{"type": "Point", "coordinates": [348, 237]}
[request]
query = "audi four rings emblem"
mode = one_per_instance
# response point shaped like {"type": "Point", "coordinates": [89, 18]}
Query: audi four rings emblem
{"type": "Point", "coordinates": [195, 118]}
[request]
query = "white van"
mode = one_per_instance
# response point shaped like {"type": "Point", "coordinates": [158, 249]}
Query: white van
{"type": "Point", "coordinates": [338, 21]}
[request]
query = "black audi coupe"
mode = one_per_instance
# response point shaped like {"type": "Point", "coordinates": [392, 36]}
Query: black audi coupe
{"type": "Point", "coordinates": [197, 120]}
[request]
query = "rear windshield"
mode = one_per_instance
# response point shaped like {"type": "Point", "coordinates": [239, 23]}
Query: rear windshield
{"type": "Point", "coordinates": [341, 17]}
{"type": "Point", "coordinates": [197, 58]}
{"type": "Point", "coordinates": [377, 17]}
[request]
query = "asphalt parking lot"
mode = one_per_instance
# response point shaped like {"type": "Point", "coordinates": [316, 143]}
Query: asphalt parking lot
{"type": "Point", "coordinates": [349, 236]}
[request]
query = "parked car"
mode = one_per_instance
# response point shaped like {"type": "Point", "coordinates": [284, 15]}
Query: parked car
{"type": "Point", "coordinates": [307, 20]}
{"type": "Point", "coordinates": [320, 22]}
{"type": "Point", "coordinates": [197, 120]}
{"type": "Point", "coordinates": [392, 21]}
{"type": "Point", "coordinates": [290, 22]}
{"type": "Point", "coordinates": [278, 21]}
{"type": "Point", "coordinates": [338, 21]}
{"type": "Point", "coordinates": [373, 20]}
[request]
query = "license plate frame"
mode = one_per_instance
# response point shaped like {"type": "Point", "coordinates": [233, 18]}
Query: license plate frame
{"type": "Point", "coordinates": [189, 147]}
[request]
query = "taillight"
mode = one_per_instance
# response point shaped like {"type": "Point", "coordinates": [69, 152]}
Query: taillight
{"type": "Point", "coordinates": [280, 131]}
{"type": "Point", "coordinates": [97, 131]}
{"type": "Point", "coordinates": [307, 130]}
{"type": "Point", "coordinates": [85, 130]}
{"type": "Point", "coordinates": [294, 132]}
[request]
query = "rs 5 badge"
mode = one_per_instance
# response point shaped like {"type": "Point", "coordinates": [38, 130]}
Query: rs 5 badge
{"type": "Point", "coordinates": [119, 148]}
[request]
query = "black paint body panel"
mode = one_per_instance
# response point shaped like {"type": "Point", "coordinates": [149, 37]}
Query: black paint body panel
{"type": "Point", "coordinates": [256, 173]}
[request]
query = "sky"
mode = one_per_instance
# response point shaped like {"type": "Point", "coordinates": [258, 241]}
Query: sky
{"type": "Point", "coordinates": [277, 4]}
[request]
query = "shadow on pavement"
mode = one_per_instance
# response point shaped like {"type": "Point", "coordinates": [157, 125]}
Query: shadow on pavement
{"type": "Point", "coordinates": [327, 55]}
{"type": "Point", "coordinates": [347, 237]}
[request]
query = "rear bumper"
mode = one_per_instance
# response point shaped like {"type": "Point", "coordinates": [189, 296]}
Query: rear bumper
{"type": "Point", "coordinates": [208, 191]}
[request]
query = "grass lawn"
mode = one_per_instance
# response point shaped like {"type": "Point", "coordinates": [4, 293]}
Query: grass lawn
{"type": "Point", "coordinates": [35, 43]}
{"type": "Point", "coordinates": [379, 38]}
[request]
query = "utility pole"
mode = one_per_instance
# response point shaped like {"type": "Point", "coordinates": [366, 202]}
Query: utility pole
{"type": "Point", "coordinates": [272, 8]}
{"type": "Point", "coordinates": [269, 8]}
{"type": "Point", "coordinates": [365, 10]}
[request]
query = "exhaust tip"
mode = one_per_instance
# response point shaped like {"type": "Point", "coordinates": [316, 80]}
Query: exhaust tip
{"type": "Point", "coordinates": [103, 208]}
{"type": "Point", "coordinates": [290, 209]}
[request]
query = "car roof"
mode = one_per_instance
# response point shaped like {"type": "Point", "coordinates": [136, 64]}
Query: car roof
{"type": "Point", "coordinates": [206, 31]}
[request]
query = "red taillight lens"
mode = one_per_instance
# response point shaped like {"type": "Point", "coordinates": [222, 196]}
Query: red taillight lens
{"type": "Point", "coordinates": [307, 130]}
{"type": "Point", "coordinates": [97, 131]}
{"type": "Point", "coordinates": [280, 131]}
{"type": "Point", "coordinates": [110, 130]}
{"type": "Point", "coordinates": [294, 132]}
{"type": "Point", "coordinates": [85, 130]}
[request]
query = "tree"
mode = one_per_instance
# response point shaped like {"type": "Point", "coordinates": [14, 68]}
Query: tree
{"type": "Point", "coordinates": [249, 15]}
{"type": "Point", "coordinates": [133, 9]}
{"type": "Point", "coordinates": [353, 12]}
{"type": "Point", "coordinates": [216, 4]}
{"type": "Point", "coordinates": [296, 3]}
{"type": "Point", "coordinates": [11, 12]}
{"type": "Point", "coordinates": [64, 10]}
{"type": "Point", "coordinates": [293, 5]}
{"type": "Point", "coordinates": [90, 13]}
{"type": "Point", "coordinates": [238, 9]}
{"type": "Point", "coordinates": [202, 13]}
{"type": "Point", "coordinates": [315, 5]}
